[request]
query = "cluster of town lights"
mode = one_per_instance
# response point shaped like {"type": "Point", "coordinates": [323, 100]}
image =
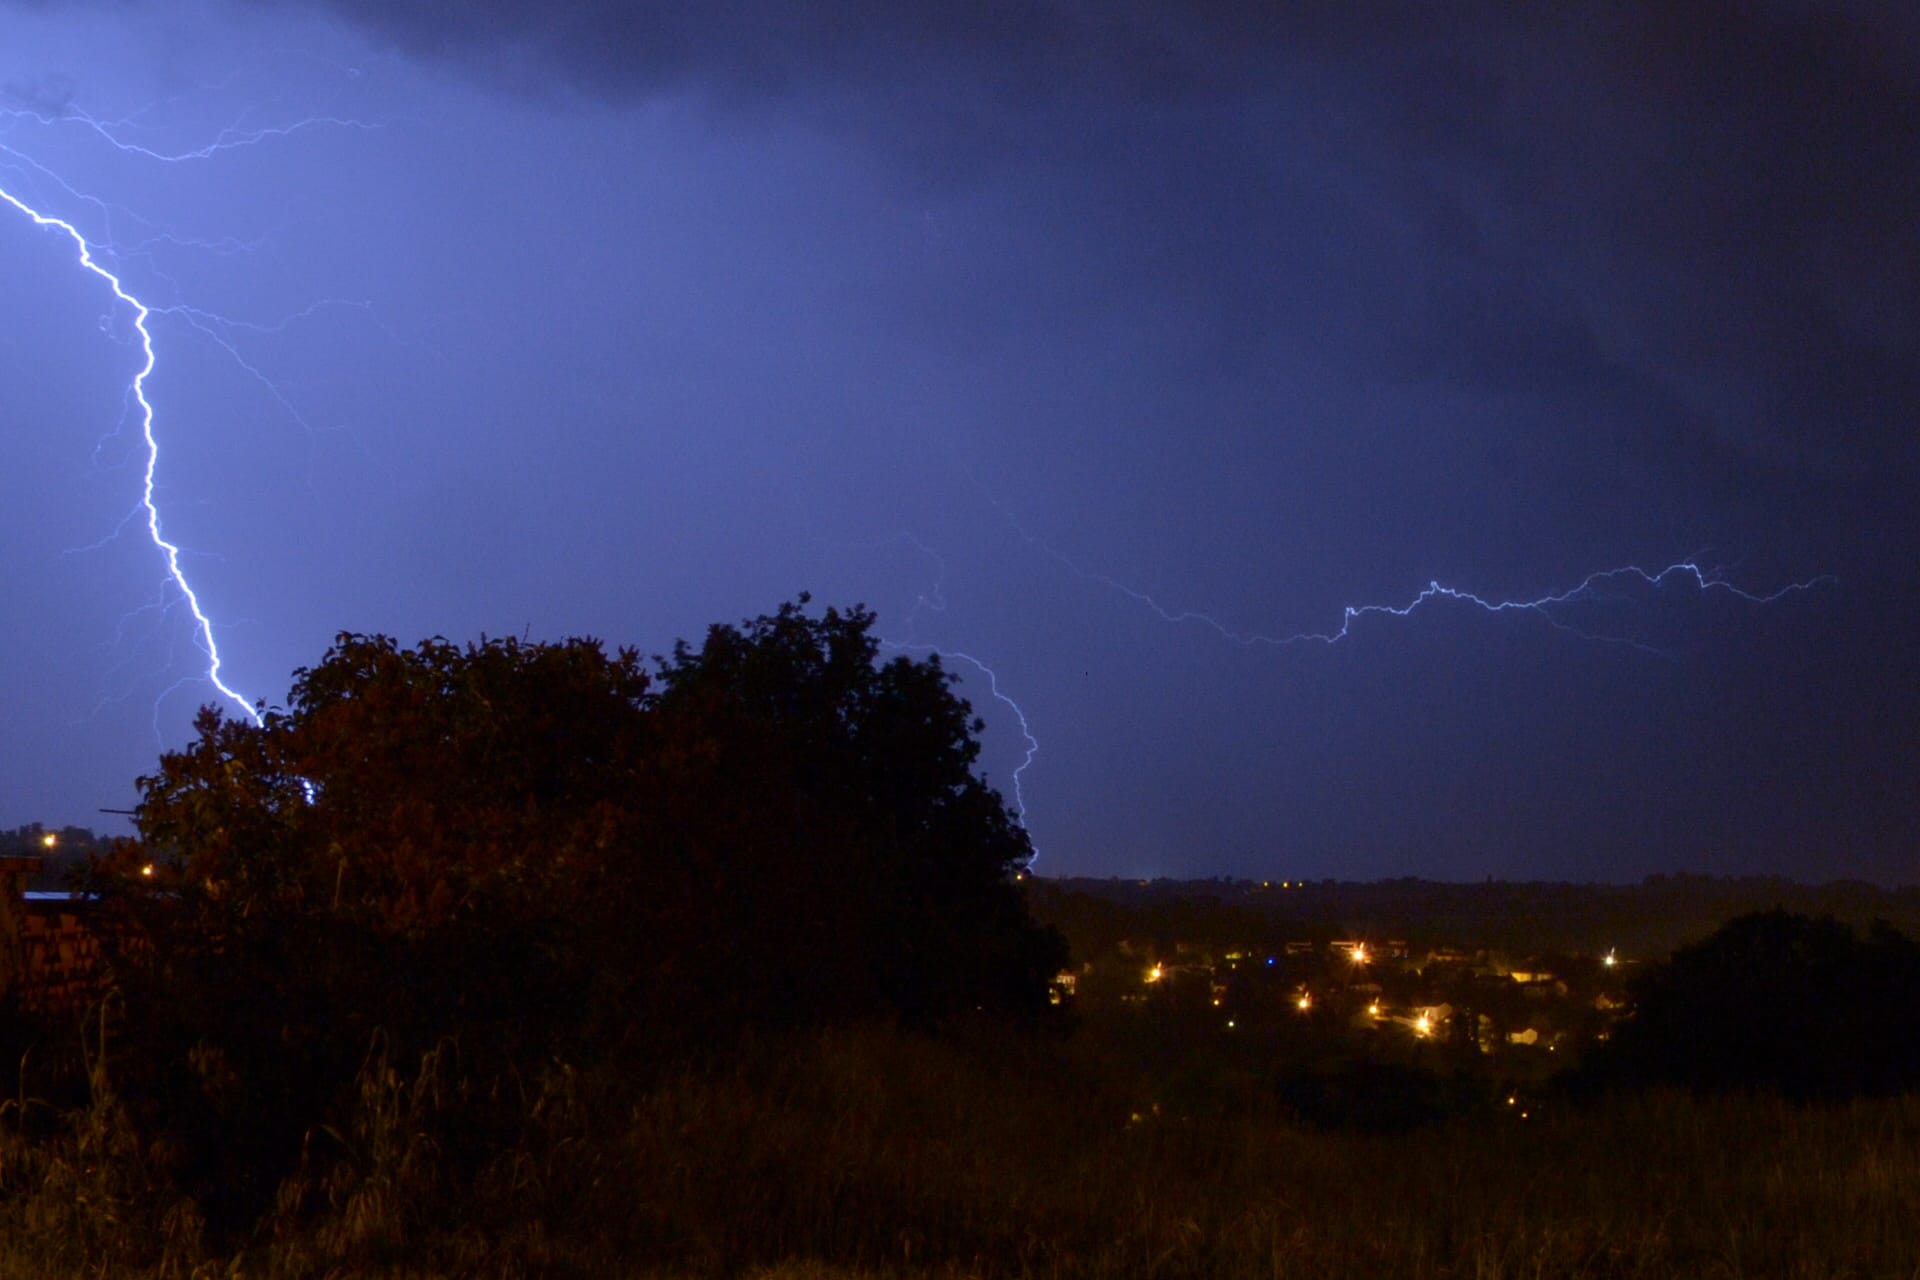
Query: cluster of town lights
{"type": "Point", "coordinates": [1422, 1024]}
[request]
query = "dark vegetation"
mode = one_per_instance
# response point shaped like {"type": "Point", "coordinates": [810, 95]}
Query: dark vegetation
{"type": "Point", "coordinates": [1802, 1006]}
{"type": "Point", "coordinates": [511, 856]}
{"type": "Point", "coordinates": [520, 959]}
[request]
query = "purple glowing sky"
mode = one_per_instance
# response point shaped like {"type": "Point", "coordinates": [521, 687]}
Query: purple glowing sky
{"type": "Point", "coordinates": [1091, 346]}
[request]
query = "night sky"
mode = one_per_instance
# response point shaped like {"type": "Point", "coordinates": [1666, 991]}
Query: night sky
{"type": "Point", "coordinates": [1106, 344]}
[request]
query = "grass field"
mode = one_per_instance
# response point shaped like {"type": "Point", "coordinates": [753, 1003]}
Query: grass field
{"type": "Point", "coordinates": [880, 1154]}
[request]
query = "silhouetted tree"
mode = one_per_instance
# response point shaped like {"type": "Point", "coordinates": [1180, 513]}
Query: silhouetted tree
{"type": "Point", "coordinates": [850, 859]}
{"type": "Point", "coordinates": [541, 849]}
{"type": "Point", "coordinates": [1775, 1000]}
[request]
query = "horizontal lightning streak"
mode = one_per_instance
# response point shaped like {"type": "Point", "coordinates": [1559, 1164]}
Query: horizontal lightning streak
{"type": "Point", "coordinates": [1586, 590]}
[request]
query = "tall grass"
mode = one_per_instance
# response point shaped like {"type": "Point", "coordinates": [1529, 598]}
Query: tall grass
{"type": "Point", "coordinates": [870, 1153]}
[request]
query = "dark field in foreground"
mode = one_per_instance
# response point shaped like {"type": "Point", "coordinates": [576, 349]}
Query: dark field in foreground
{"type": "Point", "coordinates": [874, 1153]}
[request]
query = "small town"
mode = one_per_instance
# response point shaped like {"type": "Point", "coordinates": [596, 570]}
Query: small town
{"type": "Point", "coordinates": [1448, 994]}
{"type": "Point", "coordinates": [1380, 1005]}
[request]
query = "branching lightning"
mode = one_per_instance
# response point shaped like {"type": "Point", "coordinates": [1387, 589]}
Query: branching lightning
{"type": "Point", "coordinates": [993, 687]}
{"type": "Point", "coordinates": [231, 138]}
{"type": "Point", "coordinates": [115, 133]}
{"type": "Point", "coordinates": [169, 550]}
{"type": "Point", "coordinates": [933, 599]}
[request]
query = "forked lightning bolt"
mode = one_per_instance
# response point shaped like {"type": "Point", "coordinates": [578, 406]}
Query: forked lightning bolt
{"type": "Point", "coordinates": [115, 133]}
{"type": "Point", "coordinates": [169, 550]}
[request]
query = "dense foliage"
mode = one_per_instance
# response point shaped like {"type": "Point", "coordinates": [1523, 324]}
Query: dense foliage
{"type": "Point", "coordinates": [515, 854]}
{"type": "Point", "coordinates": [1778, 1001]}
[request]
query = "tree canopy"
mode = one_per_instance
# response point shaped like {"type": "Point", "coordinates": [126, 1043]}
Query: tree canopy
{"type": "Point", "coordinates": [1775, 1000]}
{"type": "Point", "coordinates": [547, 848]}
{"type": "Point", "coordinates": [776, 818]}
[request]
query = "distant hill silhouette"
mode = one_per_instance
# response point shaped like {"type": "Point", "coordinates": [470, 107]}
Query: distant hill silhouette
{"type": "Point", "coordinates": [1644, 921]}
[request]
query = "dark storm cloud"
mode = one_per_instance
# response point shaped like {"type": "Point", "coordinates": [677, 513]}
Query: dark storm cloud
{"type": "Point", "coordinates": [757, 49]}
{"type": "Point", "coordinates": [1714, 199]}
{"type": "Point", "coordinates": [1719, 195]}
